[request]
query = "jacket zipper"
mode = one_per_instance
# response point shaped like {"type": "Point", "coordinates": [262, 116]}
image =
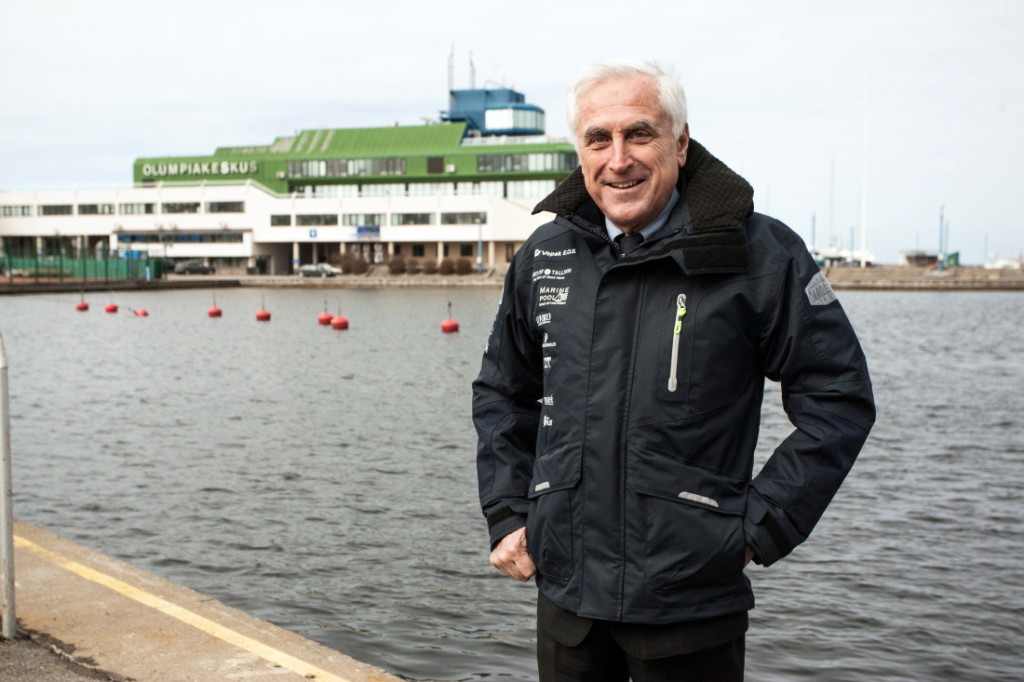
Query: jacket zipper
{"type": "Point", "coordinates": [677, 331]}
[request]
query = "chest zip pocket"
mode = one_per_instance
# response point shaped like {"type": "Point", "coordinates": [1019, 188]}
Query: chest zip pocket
{"type": "Point", "coordinates": [677, 332]}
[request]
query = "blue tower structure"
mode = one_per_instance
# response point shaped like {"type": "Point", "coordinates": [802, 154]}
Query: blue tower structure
{"type": "Point", "coordinates": [494, 112]}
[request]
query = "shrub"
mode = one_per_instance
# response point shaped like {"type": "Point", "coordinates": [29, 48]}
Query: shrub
{"type": "Point", "coordinates": [413, 266]}
{"type": "Point", "coordinates": [355, 266]}
{"type": "Point", "coordinates": [430, 267]}
{"type": "Point", "coordinates": [397, 265]}
{"type": "Point", "coordinates": [447, 266]}
{"type": "Point", "coordinates": [463, 266]}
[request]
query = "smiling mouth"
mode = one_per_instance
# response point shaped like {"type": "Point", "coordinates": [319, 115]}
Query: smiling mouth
{"type": "Point", "coordinates": [624, 185]}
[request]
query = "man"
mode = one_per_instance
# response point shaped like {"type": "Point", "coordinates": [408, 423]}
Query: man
{"type": "Point", "coordinates": [619, 399]}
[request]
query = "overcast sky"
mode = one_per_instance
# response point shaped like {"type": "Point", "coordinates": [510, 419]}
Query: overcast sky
{"type": "Point", "coordinates": [910, 106]}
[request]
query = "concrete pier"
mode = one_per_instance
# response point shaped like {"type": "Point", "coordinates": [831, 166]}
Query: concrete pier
{"type": "Point", "coordinates": [113, 621]}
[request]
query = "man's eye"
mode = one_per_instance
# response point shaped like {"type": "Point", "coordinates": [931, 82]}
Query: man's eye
{"type": "Point", "coordinates": [598, 139]}
{"type": "Point", "coordinates": [640, 135]}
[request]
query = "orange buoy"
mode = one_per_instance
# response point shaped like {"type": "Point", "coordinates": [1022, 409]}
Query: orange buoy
{"type": "Point", "coordinates": [325, 318]}
{"type": "Point", "coordinates": [214, 312]}
{"type": "Point", "coordinates": [448, 326]}
{"type": "Point", "coordinates": [110, 308]}
{"type": "Point", "coordinates": [141, 312]}
{"type": "Point", "coordinates": [339, 322]}
{"type": "Point", "coordinates": [81, 306]}
{"type": "Point", "coordinates": [263, 316]}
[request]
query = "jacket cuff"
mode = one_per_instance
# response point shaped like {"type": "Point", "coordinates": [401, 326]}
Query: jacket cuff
{"type": "Point", "coordinates": [768, 531]}
{"type": "Point", "coordinates": [502, 523]}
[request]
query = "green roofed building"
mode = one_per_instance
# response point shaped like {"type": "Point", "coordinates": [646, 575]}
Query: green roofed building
{"type": "Point", "coordinates": [461, 187]}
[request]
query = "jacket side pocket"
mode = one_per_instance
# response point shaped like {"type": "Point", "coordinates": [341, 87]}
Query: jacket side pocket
{"type": "Point", "coordinates": [549, 527]}
{"type": "Point", "coordinates": [693, 522]}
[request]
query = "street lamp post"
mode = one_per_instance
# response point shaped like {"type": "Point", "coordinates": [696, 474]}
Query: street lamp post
{"type": "Point", "coordinates": [479, 245]}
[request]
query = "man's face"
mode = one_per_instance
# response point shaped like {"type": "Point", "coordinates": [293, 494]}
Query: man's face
{"type": "Point", "coordinates": [630, 159]}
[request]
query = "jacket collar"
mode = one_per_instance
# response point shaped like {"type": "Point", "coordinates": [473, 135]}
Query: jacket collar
{"type": "Point", "coordinates": [717, 199]}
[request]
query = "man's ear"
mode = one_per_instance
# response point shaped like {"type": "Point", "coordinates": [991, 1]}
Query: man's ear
{"type": "Point", "coordinates": [684, 145]}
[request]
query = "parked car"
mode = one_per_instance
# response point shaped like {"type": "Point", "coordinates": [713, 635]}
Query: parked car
{"type": "Point", "coordinates": [318, 270]}
{"type": "Point", "coordinates": [194, 267]}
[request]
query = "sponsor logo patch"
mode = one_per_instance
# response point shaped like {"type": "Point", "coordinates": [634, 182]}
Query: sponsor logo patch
{"type": "Point", "coordinates": [551, 273]}
{"type": "Point", "coordinates": [819, 291]}
{"type": "Point", "coordinates": [553, 296]}
{"type": "Point", "coordinates": [541, 253]}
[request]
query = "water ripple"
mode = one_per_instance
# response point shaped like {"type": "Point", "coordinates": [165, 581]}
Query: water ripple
{"type": "Point", "coordinates": [325, 481]}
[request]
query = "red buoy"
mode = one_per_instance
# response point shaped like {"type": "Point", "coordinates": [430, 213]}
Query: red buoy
{"type": "Point", "coordinates": [339, 322]}
{"type": "Point", "coordinates": [324, 318]}
{"type": "Point", "coordinates": [110, 308]}
{"type": "Point", "coordinates": [214, 312]}
{"type": "Point", "coordinates": [81, 306]}
{"type": "Point", "coordinates": [141, 312]}
{"type": "Point", "coordinates": [263, 316]}
{"type": "Point", "coordinates": [448, 326]}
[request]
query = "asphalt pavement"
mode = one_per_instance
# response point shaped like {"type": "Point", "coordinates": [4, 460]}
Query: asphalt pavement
{"type": "Point", "coordinates": [30, 659]}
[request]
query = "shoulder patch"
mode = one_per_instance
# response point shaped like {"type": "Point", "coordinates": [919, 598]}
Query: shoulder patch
{"type": "Point", "coordinates": [819, 291]}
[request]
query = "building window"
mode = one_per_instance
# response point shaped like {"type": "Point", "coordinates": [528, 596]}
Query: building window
{"type": "Point", "coordinates": [513, 119]}
{"type": "Point", "coordinates": [417, 251]}
{"type": "Point", "coordinates": [530, 189]}
{"type": "Point", "coordinates": [413, 218]}
{"type": "Point", "coordinates": [362, 219]}
{"type": "Point", "coordinates": [137, 209]}
{"type": "Point", "coordinates": [466, 250]}
{"type": "Point", "coordinates": [15, 210]}
{"type": "Point", "coordinates": [481, 189]}
{"type": "Point", "coordinates": [469, 218]}
{"type": "Point", "coordinates": [435, 164]}
{"type": "Point", "coordinates": [341, 168]}
{"type": "Point", "coordinates": [280, 220]}
{"type": "Point", "coordinates": [95, 209]}
{"type": "Point", "coordinates": [431, 189]}
{"type": "Point", "coordinates": [56, 209]}
{"type": "Point", "coordinates": [539, 161]}
{"type": "Point", "coordinates": [383, 190]}
{"type": "Point", "coordinates": [314, 219]}
{"type": "Point", "coordinates": [180, 207]}
{"type": "Point", "coordinates": [225, 207]}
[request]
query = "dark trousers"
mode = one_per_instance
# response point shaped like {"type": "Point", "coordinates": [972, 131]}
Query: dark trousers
{"type": "Point", "coordinates": [600, 658]}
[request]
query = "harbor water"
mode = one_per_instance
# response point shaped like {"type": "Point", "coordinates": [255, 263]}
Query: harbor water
{"type": "Point", "coordinates": [324, 480]}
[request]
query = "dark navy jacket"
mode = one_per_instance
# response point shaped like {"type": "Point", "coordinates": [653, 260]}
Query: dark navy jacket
{"type": "Point", "coordinates": [619, 402]}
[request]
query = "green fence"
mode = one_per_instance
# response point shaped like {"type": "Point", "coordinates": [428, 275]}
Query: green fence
{"type": "Point", "coordinates": [57, 267]}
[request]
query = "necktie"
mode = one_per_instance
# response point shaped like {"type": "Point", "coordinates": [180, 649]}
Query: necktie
{"type": "Point", "coordinates": [629, 242]}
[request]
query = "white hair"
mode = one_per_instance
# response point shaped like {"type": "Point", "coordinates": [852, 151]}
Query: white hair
{"type": "Point", "coordinates": [670, 90]}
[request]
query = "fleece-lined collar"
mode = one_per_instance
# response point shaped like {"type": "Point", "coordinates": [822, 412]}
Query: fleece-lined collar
{"type": "Point", "coordinates": [718, 201]}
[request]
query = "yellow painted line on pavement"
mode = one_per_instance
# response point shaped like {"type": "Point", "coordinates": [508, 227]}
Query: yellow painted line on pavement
{"type": "Point", "coordinates": [184, 615]}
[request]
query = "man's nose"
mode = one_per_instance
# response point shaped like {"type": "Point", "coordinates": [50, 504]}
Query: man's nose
{"type": "Point", "coordinates": [621, 158]}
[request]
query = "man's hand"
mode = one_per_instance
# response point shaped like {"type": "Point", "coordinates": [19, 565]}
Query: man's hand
{"type": "Point", "coordinates": [511, 558]}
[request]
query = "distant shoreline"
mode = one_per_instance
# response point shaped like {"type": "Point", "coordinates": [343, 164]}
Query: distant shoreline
{"type": "Point", "coordinates": [906, 278]}
{"type": "Point", "coordinates": [878, 278]}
